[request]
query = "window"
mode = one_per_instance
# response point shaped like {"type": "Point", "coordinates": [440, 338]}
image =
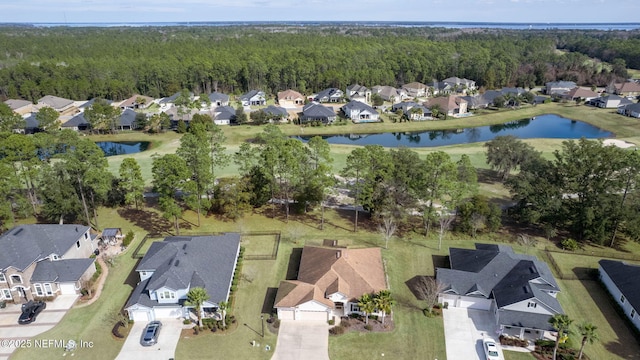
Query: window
{"type": "Point", "coordinates": [47, 289]}
{"type": "Point", "coordinates": [78, 244]}
{"type": "Point", "coordinates": [622, 299]}
{"type": "Point", "coordinates": [2, 278]}
{"type": "Point", "coordinates": [38, 288]}
{"type": "Point", "coordinates": [86, 236]}
{"type": "Point", "coordinates": [16, 279]}
{"type": "Point", "coordinates": [6, 293]}
{"type": "Point", "coordinates": [167, 295]}
{"type": "Point", "coordinates": [633, 313]}
{"type": "Point", "coordinates": [54, 257]}
{"type": "Point", "coordinates": [532, 304]}
{"type": "Point", "coordinates": [355, 307]}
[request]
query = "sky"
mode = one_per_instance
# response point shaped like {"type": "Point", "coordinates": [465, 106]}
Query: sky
{"type": "Point", "coordinates": [131, 11]}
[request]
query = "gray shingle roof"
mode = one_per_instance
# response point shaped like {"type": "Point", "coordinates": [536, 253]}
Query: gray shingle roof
{"type": "Point", "coordinates": [626, 278]}
{"type": "Point", "coordinates": [66, 270]}
{"type": "Point", "coordinates": [225, 113]}
{"type": "Point", "coordinates": [250, 94]}
{"type": "Point", "coordinates": [181, 262]}
{"type": "Point", "coordinates": [357, 105]}
{"type": "Point", "coordinates": [216, 96]}
{"type": "Point", "coordinates": [76, 121]}
{"type": "Point", "coordinates": [316, 110]}
{"type": "Point", "coordinates": [524, 319]}
{"type": "Point", "coordinates": [24, 244]}
{"type": "Point", "coordinates": [55, 101]}
{"type": "Point", "coordinates": [127, 118]}
{"type": "Point", "coordinates": [275, 110]}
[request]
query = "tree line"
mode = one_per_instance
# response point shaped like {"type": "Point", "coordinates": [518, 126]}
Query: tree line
{"type": "Point", "coordinates": [115, 63]}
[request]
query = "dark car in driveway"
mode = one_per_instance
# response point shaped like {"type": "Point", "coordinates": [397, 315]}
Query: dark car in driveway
{"type": "Point", "coordinates": [151, 333]}
{"type": "Point", "coordinates": [30, 311]}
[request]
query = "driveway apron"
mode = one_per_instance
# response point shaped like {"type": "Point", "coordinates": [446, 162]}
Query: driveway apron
{"type": "Point", "coordinates": [464, 330]}
{"type": "Point", "coordinates": [306, 340]}
{"type": "Point", "coordinates": [164, 349]}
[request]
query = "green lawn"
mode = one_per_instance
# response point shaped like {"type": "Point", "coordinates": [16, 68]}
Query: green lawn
{"type": "Point", "coordinates": [514, 355]}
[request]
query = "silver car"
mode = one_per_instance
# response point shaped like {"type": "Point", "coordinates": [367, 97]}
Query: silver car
{"type": "Point", "coordinates": [151, 333]}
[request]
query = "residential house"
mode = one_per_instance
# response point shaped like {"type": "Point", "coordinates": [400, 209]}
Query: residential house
{"type": "Point", "coordinates": [276, 113]}
{"type": "Point", "coordinates": [330, 95]}
{"type": "Point", "coordinates": [44, 261]}
{"type": "Point", "coordinates": [459, 85]}
{"type": "Point", "coordinates": [224, 115]}
{"type": "Point", "coordinates": [253, 98]}
{"type": "Point", "coordinates": [413, 111]}
{"type": "Point", "coordinates": [579, 93]}
{"type": "Point", "coordinates": [290, 98]}
{"type": "Point", "coordinates": [632, 110]}
{"type": "Point", "coordinates": [20, 107]}
{"type": "Point", "coordinates": [559, 87]}
{"type": "Point", "coordinates": [518, 290]}
{"type": "Point", "coordinates": [389, 93]}
{"type": "Point", "coordinates": [329, 283]}
{"type": "Point", "coordinates": [623, 283]}
{"type": "Point", "coordinates": [31, 124]}
{"type": "Point", "coordinates": [172, 267]}
{"type": "Point", "coordinates": [416, 89]}
{"type": "Point", "coordinates": [168, 102]}
{"type": "Point", "coordinates": [609, 101]}
{"type": "Point", "coordinates": [441, 88]}
{"type": "Point", "coordinates": [630, 89]}
{"type": "Point", "coordinates": [314, 111]}
{"type": "Point", "coordinates": [450, 105]}
{"type": "Point", "coordinates": [136, 102]}
{"type": "Point", "coordinates": [360, 112]}
{"type": "Point", "coordinates": [127, 120]}
{"type": "Point", "coordinates": [358, 93]}
{"type": "Point", "coordinates": [218, 99]}
{"type": "Point", "coordinates": [61, 105]}
{"type": "Point", "coordinates": [76, 123]}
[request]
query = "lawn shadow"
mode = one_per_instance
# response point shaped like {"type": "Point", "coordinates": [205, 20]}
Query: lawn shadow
{"type": "Point", "coordinates": [440, 261]}
{"type": "Point", "coordinates": [488, 176]}
{"type": "Point", "coordinates": [131, 280]}
{"type": "Point", "coordinates": [294, 264]}
{"type": "Point", "coordinates": [364, 219]}
{"type": "Point", "coordinates": [269, 300]}
{"type": "Point", "coordinates": [628, 346]}
{"type": "Point", "coordinates": [413, 285]}
{"type": "Point", "coordinates": [150, 221]}
{"type": "Point", "coordinates": [584, 273]}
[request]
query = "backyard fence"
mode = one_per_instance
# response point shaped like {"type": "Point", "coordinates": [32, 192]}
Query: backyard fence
{"type": "Point", "coordinates": [586, 273]}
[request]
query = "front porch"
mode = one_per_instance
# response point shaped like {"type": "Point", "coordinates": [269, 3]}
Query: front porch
{"type": "Point", "coordinates": [526, 333]}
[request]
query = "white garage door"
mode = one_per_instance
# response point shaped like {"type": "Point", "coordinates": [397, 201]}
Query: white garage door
{"type": "Point", "coordinates": [67, 289]}
{"type": "Point", "coordinates": [471, 303]}
{"type": "Point", "coordinates": [312, 315]}
{"type": "Point", "coordinates": [140, 315]}
{"type": "Point", "coordinates": [285, 314]}
{"type": "Point", "coordinates": [167, 312]}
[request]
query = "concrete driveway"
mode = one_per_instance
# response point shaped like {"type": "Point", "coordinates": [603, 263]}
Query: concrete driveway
{"type": "Point", "coordinates": [11, 331]}
{"type": "Point", "coordinates": [464, 330]}
{"type": "Point", "coordinates": [307, 340]}
{"type": "Point", "coordinates": [165, 348]}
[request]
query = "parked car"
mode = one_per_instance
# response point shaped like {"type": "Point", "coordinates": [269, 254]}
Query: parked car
{"type": "Point", "coordinates": [151, 333]}
{"type": "Point", "coordinates": [491, 349]}
{"type": "Point", "coordinates": [30, 311]}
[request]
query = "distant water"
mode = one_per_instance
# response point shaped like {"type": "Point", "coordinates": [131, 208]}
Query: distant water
{"type": "Point", "coordinates": [443, 24]}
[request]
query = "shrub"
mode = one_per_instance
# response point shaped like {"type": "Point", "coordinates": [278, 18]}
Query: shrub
{"type": "Point", "coordinates": [337, 330]}
{"type": "Point", "coordinates": [345, 323]}
{"type": "Point", "coordinates": [116, 330]}
{"type": "Point", "coordinates": [332, 322]}
{"type": "Point", "coordinates": [368, 327]}
{"type": "Point", "coordinates": [569, 244]}
{"type": "Point", "coordinates": [276, 324]}
{"type": "Point", "coordinates": [128, 238]}
{"type": "Point", "coordinates": [186, 321]}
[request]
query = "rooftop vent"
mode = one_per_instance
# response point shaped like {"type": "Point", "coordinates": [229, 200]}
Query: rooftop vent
{"type": "Point", "coordinates": [184, 247]}
{"type": "Point", "coordinates": [18, 232]}
{"type": "Point", "coordinates": [338, 254]}
{"type": "Point", "coordinates": [526, 289]}
{"type": "Point", "coordinates": [176, 263]}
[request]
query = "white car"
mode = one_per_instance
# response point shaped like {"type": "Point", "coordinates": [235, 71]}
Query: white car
{"type": "Point", "coordinates": [491, 349]}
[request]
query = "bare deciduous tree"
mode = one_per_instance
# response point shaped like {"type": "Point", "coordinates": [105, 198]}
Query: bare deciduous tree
{"type": "Point", "coordinates": [445, 223]}
{"type": "Point", "coordinates": [387, 228]}
{"type": "Point", "coordinates": [526, 241]}
{"type": "Point", "coordinates": [427, 288]}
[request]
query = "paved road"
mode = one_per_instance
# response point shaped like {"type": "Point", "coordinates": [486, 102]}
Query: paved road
{"type": "Point", "coordinates": [11, 332]}
{"type": "Point", "coordinates": [302, 340]}
{"type": "Point", "coordinates": [163, 350]}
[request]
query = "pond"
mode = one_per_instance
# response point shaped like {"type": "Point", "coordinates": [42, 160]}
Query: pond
{"type": "Point", "coordinates": [112, 148]}
{"type": "Point", "coordinates": [544, 126]}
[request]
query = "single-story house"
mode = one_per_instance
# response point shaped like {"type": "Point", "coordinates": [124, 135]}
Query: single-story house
{"type": "Point", "coordinates": [290, 98]}
{"type": "Point", "coordinates": [330, 282]}
{"type": "Point", "coordinates": [127, 120]}
{"type": "Point", "coordinates": [253, 97]}
{"type": "Point", "coordinates": [314, 111]}
{"type": "Point", "coordinates": [451, 105]}
{"type": "Point", "coordinates": [167, 102]}
{"type": "Point", "coordinates": [76, 123]}
{"type": "Point", "coordinates": [224, 115]}
{"type": "Point", "coordinates": [359, 93]}
{"type": "Point", "coordinates": [61, 105]}
{"type": "Point", "coordinates": [609, 101]}
{"type": "Point", "coordinates": [623, 283]}
{"type": "Point", "coordinates": [276, 113]}
{"type": "Point", "coordinates": [45, 260]}
{"type": "Point", "coordinates": [413, 110]}
{"type": "Point", "coordinates": [558, 87]}
{"type": "Point", "coordinates": [330, 95]}
{"type": "Point", "coordinates": [172, 267]}
{"type": "Point", "coordinates": [136, 102]}
{"type": "Point", "coordinates": [518, 290]}
{"type": "Point", "coordinates": [626, 89]}
{"type": "Point", "coordinates": [581, 93]}
{"type": "Point", "coordinates": [360, 112]}
{"type": "Point", "coordinates": [632, 110]}
{"type": "Point", "coordinates": [218, 99]}
{"type": "Point", "coordinates": [19, 106]}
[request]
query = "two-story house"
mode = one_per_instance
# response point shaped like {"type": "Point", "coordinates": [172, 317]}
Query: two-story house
{"type": "Point", "coordinates": [44, 260]}
{"type": "Point", "coordinates": [253, 98]}
{"type": "Point", "coordinates": [172, 267]}
{"type": "Point", "coordinates": [360, 112]}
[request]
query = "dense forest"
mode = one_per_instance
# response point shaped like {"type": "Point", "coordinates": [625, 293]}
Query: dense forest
{"type": "Point", "coordinates": [115, 63]}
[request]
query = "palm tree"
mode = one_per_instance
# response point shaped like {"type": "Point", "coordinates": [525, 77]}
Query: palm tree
{"type": "Point", "coordinates": [196, 297]}
{"type": "Point", "coordinates": [561, 323]}
{"type": "Point", "coordinates": [383, 302]}
{"type": "Point", "coordinates": [367, 306]}
{"type": "Point", "coordinates": [223, 306]}
{"type": "Point", "coordinates": [589, 334]}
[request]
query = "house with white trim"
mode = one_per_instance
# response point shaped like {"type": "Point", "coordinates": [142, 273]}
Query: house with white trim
{"type": "Point", "coordinates": [623, 283]}
{"type": "Point", "coordinates": [329, 283]}
{"type": "Point", "coordinates": [171, 267]}
{"type": "Point", "coordinates": [360, 112]}
{"type": "Point", "coordinates": [518, 290]}
{"type": "Point", "coordinates": [45, 260]}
